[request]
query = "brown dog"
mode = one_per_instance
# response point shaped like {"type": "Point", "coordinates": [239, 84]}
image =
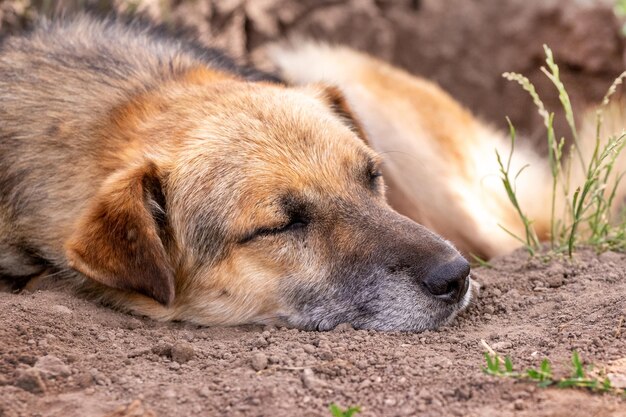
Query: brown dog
{"type": "Point", "coordinates": [164, 180]}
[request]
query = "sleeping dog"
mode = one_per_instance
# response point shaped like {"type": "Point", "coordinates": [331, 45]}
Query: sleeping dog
{"type": "Point", "coordinates": [162, 179]}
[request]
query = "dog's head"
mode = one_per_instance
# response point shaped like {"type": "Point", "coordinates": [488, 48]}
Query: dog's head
{"type": "Point", "coordinates": [258, 203]}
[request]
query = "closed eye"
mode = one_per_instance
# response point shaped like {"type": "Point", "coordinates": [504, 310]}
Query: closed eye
{"type": "Point", "coordinates": [374, 179]}
{"type": "Point", "coordinates": [374, 173]}
{"type": "Point", "coordinates": [295, 224]}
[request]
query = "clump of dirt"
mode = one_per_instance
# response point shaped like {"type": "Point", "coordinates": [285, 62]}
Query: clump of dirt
{"type": "Point", "coordinates": [64, 356]}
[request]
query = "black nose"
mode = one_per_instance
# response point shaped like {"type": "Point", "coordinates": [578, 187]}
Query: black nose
{"type": "Point", "coordinates": [449, 282]}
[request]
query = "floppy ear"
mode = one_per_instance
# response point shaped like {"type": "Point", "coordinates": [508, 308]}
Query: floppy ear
{"type": "Point", "coordinates": [117, 241]}
{"type": "Point", "coordinates": [334, 98]}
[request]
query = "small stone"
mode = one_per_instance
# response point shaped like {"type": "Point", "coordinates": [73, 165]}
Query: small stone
{"type": "Point", "coordinates": [52, 367]}
{"type": "Point", "coordinates": [133, 324]}
{"type": "Point", "coordinates": [60, 309]}
{"type": "Point", "coordinates": [310, 349]}
{"type": "Point", "coordinates": [259, 361]}
{"type": "Point", "coordinates": [204, 392]}
{"type": "Point", "coordinates": [162, 349]}
{"type": "Point", "coordinates": [175, 366]}
{"type": "Point", "coordinates": [309, 380]}
{"type": "Point", "coordinates": [84, 380]}
{"type": "Point", "coordinates": [169, 393]}
{"type": "Point", "coordinates": [260, 342]}
{"type": "Point", "coordinates": [273, 359]}
{"type": "Point", "coordinates": [99, 377]}
{"type": "Point", "coordinates": [183, 352]}
{"type": "Point", "coordinates": [30, 380]}
{"type": "Point", "coordinates": [554, 281]}
{"type": "Point", "coordinates": [326, 355]}
{"type": "Point", "coordinates": [502, 345]}
{"type": "Point", "coordinates": [518, 404]}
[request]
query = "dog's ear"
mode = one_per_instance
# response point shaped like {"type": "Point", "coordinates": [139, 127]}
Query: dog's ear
{"type": "Point", "coordinates": [334, 98]}
{"type": "Point", "coordinates": [118, 241]}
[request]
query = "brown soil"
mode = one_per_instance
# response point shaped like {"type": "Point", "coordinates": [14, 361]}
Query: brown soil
{"type": "Point", "coordinates": [63, 356]}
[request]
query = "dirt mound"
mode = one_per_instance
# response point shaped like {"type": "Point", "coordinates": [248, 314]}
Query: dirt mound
{"type": "Point", "coordinates": [63, 356]}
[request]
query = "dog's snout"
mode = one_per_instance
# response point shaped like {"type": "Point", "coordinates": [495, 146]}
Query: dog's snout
{"type": "Point", "coordinates": [450, 281]}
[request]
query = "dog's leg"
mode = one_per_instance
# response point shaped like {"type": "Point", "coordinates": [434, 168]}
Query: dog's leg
{"type": "Point", "coordinates": [18, 262]}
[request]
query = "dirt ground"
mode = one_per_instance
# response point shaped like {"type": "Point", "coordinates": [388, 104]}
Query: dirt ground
{"type": "Point", "coordinates": [63, 356]}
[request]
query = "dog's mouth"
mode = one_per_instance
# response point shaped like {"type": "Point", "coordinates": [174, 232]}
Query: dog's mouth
{"type": "Point", "coordinates": [383, 308]}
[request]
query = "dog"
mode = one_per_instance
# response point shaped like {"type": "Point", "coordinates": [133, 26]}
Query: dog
{"type": "Point", "coordinates": [160, 178]}
{"type": "Point", "coordinates": [440, 161]}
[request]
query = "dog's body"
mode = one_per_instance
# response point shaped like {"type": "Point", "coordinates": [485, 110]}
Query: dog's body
{"type": "Point", "coordinates": [162, 180]}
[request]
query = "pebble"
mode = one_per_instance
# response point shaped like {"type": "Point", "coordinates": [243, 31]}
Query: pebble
{"type": "Point", "coordinates": [133, 324]}
{"type": "Point", "coordinates": [30, 380]}
{"type": "Point", "coordinates": [52, 367]}
{"type": "Point", "coordinates": [259, 361]}
{"type": "Point", "coordinates": [309, 380]}
{"type": "Point", "coordinates": [502, 345]}
{"type": "Point", "coordinates": [308, 348]}
{"type": "Point", "coordinates": [60, 309]}
{"type": "Point", "coordinates": [554, 281]}
{"type": "Point", "coordinates": [162, 349]}
{"type": "Point", "coordinates": [182, 352]}
{"type": "Point", "coordinates": [204, 392]}
{"type": "Point", "coordinates": [260, 342]}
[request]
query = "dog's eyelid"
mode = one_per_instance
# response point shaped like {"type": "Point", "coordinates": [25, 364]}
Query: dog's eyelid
{"type": "Point", "coordinates": [295, 223]}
